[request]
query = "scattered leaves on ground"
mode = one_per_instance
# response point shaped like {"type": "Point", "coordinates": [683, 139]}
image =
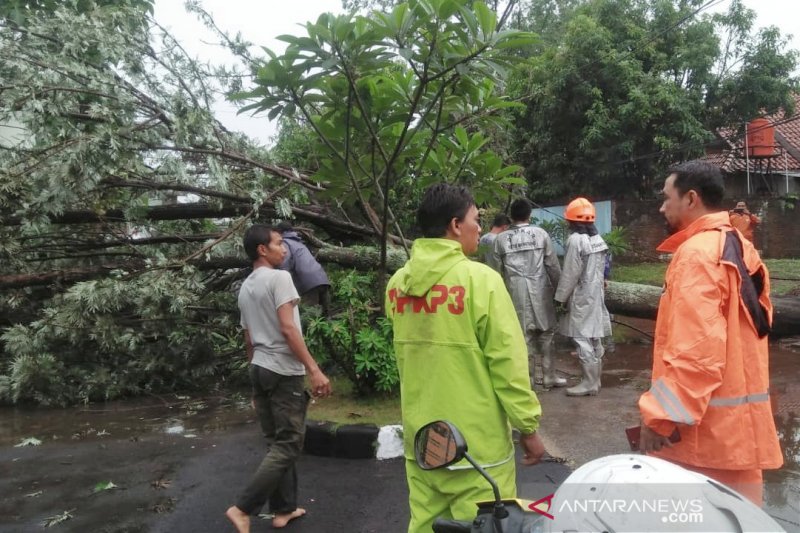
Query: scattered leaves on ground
{"type": "Point", "coordinates": [57, 519]}
{"type": "Point", "coordinates": [30, 441]}
{"type": "Point", "coordinates": [164, 506]}
{"type": "Point", "coordinates": [83, 433]}
{"type": "Point", "coordinates": [161, 483]}
{"type": "Point", "coordinates": [107, 485]}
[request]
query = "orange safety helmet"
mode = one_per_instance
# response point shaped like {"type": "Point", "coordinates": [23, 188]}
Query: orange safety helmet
{"type": "Point", "coordinates": [580, 210]}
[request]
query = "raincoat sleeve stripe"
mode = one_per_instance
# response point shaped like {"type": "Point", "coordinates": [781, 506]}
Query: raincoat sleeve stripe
{"type": "Point", "coordinates": [670, 403]}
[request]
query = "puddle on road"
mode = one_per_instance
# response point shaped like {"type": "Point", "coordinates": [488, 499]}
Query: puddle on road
{"type": "Point", "coordinates": [630, 363]}
{"type": "Point", "coordinates": [176, 415]}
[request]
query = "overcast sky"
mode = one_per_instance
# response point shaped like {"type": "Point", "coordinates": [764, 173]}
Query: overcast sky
{"type": "Point", "coordinates": [260, 21]}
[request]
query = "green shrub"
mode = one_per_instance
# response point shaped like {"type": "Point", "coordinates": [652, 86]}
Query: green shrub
{"type": "Point", "coordinates": [357, 337]}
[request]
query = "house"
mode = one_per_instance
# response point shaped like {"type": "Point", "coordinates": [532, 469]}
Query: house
{"type": "Point", "coordinates": [774, 173]}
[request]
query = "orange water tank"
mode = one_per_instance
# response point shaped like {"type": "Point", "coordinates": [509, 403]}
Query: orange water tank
{"type": "Point", "coordinates": [760, 138]}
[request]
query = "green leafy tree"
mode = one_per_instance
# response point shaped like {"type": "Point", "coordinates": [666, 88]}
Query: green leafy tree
{"type": "Point", "coordinates": [624, 88]}
{"type": "Point", "coordinates": [396, 100]}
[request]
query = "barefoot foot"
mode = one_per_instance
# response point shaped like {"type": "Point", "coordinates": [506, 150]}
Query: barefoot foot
{"type": "Point", "coordinates": [280, 520]}
{"type": "Point", "coordinates": [239, 519]}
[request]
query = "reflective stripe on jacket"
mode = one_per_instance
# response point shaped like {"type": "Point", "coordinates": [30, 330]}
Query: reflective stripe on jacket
{"type": "Point", "coordinates": [460, 353]}
{"type": "Point", "coordinates": [525, 257]}
{"type": "Point", "coordinates": [710, 365]}
{"type": "Point", "coordinates": [582, 288]}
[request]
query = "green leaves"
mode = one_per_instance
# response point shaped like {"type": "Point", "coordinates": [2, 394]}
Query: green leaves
{"type": "Point", "coordinates": [29, 441]}
{"type": "Point", "coordinates": [104, 486]}
{"type": "Point", "coordinates": [383, 94]}
{"type": "Point", "coordinates": [485, 17]}
{"type": "Point", "coordinates": [357, 337]}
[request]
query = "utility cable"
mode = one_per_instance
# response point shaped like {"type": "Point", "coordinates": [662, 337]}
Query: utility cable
{"type": "Point", "coordinates": [634, 328]}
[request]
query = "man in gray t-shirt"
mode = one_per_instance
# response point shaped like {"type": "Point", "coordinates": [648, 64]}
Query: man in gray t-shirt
{"type": "Point", "coordinates": [279, 361]}
{"type": "Point", "coordinates": [262, 293]}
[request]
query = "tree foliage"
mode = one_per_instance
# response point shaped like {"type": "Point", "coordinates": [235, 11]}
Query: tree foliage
{"type": "Point", "coordinates": [359, 343]}
{"type": "Point", "coordinates": [396, 100]}
{"type": "Point", "coordinates": [621, 89]}
{"type": "Point", "coordinates": [111, 286]}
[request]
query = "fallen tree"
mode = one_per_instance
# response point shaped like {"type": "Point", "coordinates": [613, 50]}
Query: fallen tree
{"type": "Point", "coordinates": [628, 299]}
{"type": "Point", "coordinates": [361, 258]}
{"type": "Point", "coordinates": [641, 301]}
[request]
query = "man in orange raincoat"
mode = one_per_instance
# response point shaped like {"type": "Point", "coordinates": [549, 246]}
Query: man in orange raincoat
{"type": "Point", "coordinates": [743, 220]}
{"type": "Point", "coordinates": [710, 382]}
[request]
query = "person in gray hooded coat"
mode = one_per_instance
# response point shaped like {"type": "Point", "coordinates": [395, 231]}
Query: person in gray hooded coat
{"type": "Point", "coordinates": [582, 290]}
{"type": "Point", "coordinates": [525, 257]}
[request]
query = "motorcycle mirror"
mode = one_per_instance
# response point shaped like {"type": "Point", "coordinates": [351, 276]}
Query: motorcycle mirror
{"type": "Point", "coordinates": [438, 444]}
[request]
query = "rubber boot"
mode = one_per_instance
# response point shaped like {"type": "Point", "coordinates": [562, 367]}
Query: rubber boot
{"type": "Point", "coordinates": [550, 379]}
{"type": "Point", "coordinates": [600, 375]}
{"type": "Point", "coordinates": [590, 384]}
{"type": "Point", "coordinates": [536, 373]}
{"type": "Point", "coordinates": [600, 352]}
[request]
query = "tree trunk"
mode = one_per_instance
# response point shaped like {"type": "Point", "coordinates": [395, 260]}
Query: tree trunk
{"type": "Point", "coordinates": [195, 211]}
{"type": "Point", "coordinates": [360, 258]}
{"type": "Point", "coordinates": [641, 301]}
{"type": "Point", "coordinates": [632, 299]}
{"type": "Point", "coordinates": [628, 299]}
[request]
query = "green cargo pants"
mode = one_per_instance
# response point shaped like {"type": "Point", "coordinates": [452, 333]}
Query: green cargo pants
{"type": "Point", "coordinates": [281, 403]}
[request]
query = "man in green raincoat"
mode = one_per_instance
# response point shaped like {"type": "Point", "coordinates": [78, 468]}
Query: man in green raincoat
{"type": "Point", "coordinates": [462, 358]}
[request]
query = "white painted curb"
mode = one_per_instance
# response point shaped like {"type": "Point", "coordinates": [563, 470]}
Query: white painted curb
{"type": "Point", "coordinates": [390, 442]}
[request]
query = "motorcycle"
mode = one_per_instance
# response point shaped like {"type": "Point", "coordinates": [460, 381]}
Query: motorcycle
{"type": "Point", "coordinates": [622, 493]}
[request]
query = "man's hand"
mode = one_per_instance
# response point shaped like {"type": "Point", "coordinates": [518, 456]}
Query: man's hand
{"type": "Point", "coordinates": [320, 384]}
{"type": "Point", "coordinates": [650, 441]}
{"type": "Point", "coordinates": [533, 448]}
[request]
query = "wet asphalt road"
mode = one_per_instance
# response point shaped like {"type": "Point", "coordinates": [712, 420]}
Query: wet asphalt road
{"type": "Point", "coordinates": [351, 495]}
{"type": "Point", "coordinates": [174, 484]}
